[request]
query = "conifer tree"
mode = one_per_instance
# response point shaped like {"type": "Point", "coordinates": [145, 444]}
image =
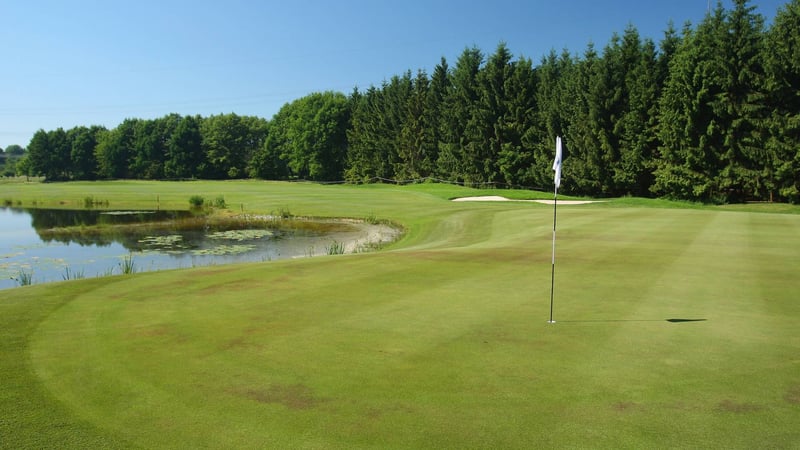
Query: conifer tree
{"type": "Point", "coordinates": [690, 130]}
{"type": "Point", "coordinates": [741, 106]}
{"type": "Point", "coordinates": [636, 129]}
{"type": "Point", "coordinates": [515, 158]}
{"type": "Point", "coordinates": [552, 101]}
{"type": "Point", "coordinates": [782, 63]}
{"type": "Point", "coordinates": [458, 152]}
{"type": "Point", "coordinates": [416, 141]}
{"type": "Point", "coordinates": [581, 109]}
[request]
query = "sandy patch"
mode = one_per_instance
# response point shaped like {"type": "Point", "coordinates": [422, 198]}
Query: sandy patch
{"type": "Point", "coordinates": [371, 236]}
{"type": "Point", "coordinates": [497, 198]}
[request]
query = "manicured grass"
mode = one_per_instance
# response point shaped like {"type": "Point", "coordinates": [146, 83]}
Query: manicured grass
{"type": "Point", "coordinates": [439, 341]}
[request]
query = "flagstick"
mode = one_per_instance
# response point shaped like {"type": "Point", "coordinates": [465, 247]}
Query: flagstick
{"type": "Point", "coordinates": [556, 183]}
{"type": "Point", "coordinates": [553, 269]}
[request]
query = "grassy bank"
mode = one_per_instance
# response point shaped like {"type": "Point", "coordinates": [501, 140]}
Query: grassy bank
{"type": "Point", "coordinates": [675, 328]}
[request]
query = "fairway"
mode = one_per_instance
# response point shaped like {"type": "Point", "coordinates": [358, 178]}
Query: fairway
{"type": "Point", "coordinates": [676, 327]}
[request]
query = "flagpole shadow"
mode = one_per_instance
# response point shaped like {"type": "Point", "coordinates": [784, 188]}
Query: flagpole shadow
{"type": "Point", "coordinates": [673, 320]}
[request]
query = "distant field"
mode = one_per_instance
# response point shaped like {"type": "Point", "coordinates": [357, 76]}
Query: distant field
{"type": "Point", "coordinates": [677, 326]}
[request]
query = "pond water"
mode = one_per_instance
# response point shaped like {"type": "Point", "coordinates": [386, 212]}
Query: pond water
{"type": "Point", "coordinates": [37, 247]}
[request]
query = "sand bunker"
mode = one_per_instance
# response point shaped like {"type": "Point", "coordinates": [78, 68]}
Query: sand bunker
{"type": "Point", "coordinates": [497, 198]}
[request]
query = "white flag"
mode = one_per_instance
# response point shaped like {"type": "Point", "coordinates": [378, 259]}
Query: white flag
{"type": "Point", "coordinates": [557, 163]}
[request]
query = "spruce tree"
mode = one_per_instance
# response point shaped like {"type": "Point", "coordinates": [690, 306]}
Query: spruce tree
{"type": "Point", "coordinates": [741, 106]}
{"type": "Point", "coordinates": [458, 153]}
{"type": "Point", "coordinates": [690, 130]}
{"type": "Point", "coordinates": [782, 63]}
{"type": "Point", "coordinates": [552, 101]}
{"type": "Point", "coordinates": [581, 109]}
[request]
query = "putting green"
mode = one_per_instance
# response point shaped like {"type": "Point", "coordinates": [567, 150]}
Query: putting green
{"type": "Point", "coordinates": [675, 328]}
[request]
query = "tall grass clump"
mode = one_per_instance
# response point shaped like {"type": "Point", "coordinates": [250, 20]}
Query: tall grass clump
{"type": "Point", "coordinates": [197, 201]}
{"type": "Point", "coordinates": [24, 278]}
{"type": "Point", "coordinates": [283, 212]}
{"type": "Point", "coordinates": [372, 219]}
{"type": "Point", "coordinates": [127, 265]}
{"type": "Point", "coordinates": [70, 274]}
{"type": "Point", "coordinates": [219, 202]}
{"type": "Point", "coordinates": [336, 248]}
{"type": "Point", "coordinates": [90, 202]}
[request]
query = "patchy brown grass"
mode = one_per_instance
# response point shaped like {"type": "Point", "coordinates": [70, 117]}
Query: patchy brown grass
{"type": "Point", "coordinates": [793, 395]}
{"type": "Point", "coordinates": [625, 407]}
{"type": "Point", "coordinates": [295, 396]}
{"type": "Point", "coordinates": [731, 406]}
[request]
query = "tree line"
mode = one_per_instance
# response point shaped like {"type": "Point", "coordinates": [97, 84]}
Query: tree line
{"type": "Point", "coordinates": [710, 113]}
{"type": "Point", "coordinates": [9, 158]}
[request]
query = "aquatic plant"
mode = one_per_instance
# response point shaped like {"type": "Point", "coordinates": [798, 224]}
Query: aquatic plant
{"type": "Point", "coordinates": [24, 278]}
{"type": "Point", "coordinates": [336, 248]}
{"type": "Point", "coordinates": [240, 235]}
{"type": "Point", "coordinates": [70, 274]}
{"type": "Point", "coordinates": [221, 250]}
{"type": "Point", "coordinates": [170, 241]}
{"type": "Point", "coordinates": [127, 265]}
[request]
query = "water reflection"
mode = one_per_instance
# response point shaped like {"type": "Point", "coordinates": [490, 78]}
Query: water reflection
{"type": "Point", "coordinates": [51, 225]}
{"type": "Point", "coordinates": [52, 245]}
{"type": "Point", "coordinates": [59, 218]}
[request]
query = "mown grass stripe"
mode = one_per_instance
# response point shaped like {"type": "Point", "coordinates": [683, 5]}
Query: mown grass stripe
{"type": "Point", "coordinates": [441, 341]}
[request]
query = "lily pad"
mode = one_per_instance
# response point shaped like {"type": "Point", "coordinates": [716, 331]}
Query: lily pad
{"type": "Point", "coordinates": [240, 235]}
{"type": "Point", "coordinates": [220, 250]}
{"type": "Point", "coordinates": [166, 241]}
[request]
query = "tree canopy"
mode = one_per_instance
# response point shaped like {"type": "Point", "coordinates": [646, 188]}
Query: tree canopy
{"type": "Point", "coordinates": [711, 113]}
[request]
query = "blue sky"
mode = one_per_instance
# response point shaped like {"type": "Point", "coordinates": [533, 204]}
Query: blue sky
{"type": "Point", "coordinates": [95, 63]}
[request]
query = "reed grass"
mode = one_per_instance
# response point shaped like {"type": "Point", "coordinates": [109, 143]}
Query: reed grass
{"type": "Point", "coordinates": [128, 265]}
{"type": "Point", "coordinates": [70, 274]}
{"type": "Point", "coordinates": [24, 277]}
{"type": "Point", "coordinates": [336, 248]}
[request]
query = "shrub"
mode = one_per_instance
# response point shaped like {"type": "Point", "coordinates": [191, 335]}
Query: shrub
{"type": "Point", "coordinates": [283, 213]}
{"type": "Point", "coordinates": [219, 202]}
{"type": "Point", "coordinates": [197, 201]}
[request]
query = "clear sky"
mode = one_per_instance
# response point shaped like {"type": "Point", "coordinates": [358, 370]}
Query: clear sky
{"type": "Point", "coordinates": [83, 62]}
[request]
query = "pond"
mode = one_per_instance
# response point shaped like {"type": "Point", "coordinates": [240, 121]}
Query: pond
{"type": "Point", "coordinates": [42, 245]}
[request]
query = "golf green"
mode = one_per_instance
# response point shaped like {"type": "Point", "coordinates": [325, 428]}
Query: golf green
{"type": "Point", "coordinates": [675, 327]}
